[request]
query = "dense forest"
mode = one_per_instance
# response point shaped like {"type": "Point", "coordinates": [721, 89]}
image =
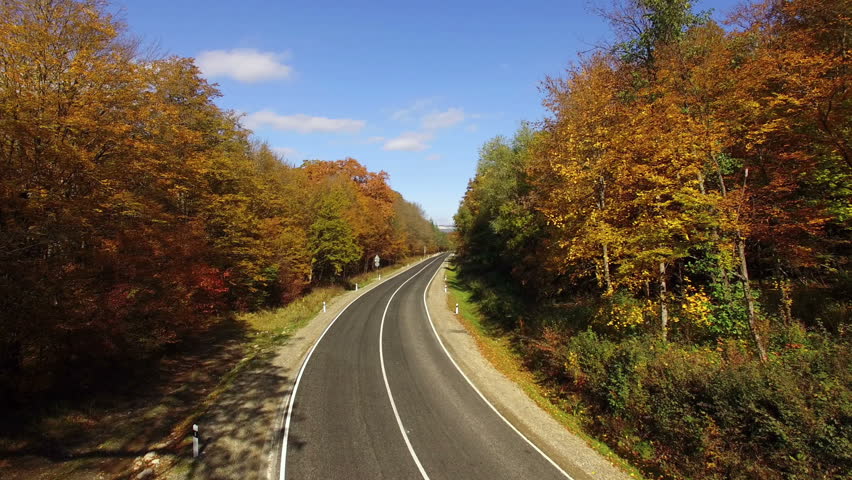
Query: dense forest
{"type": "Point", "coordinates": [133, 209]}
{"type": "Point", "coordinates": [669, 248]}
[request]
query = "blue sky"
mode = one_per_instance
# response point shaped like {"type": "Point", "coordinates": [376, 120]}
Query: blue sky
{"type": "Point", "coordinates": [410, 88]}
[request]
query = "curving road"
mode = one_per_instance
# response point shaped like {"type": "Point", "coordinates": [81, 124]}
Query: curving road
{"type": "Point", "coordinates": [379, 397]}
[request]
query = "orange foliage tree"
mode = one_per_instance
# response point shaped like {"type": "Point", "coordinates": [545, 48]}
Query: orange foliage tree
{"type": "Point", "coordinates": [133, 209]}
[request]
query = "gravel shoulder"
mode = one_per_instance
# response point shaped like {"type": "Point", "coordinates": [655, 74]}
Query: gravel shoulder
{"type": "Point", "coordinates": [571, 452]}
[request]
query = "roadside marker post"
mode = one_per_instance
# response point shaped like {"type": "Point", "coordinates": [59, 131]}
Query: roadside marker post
{"type": "Point", "coordinates": [323, 307]}
{"type": "Point", "coordinates": [457, 309]}
{"type": "Point", "coordinates": [356, 287]}
{"type": "Point", "coordinates": [445, 289]}
{"type": "Point", "coordinates": [194, 440]}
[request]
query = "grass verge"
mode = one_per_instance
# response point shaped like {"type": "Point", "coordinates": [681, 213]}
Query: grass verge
{"type": "Point", "coordinates": [269, 329]}
{"type": "Point", "coordinates": [497, 348]}
{"type": "Point", "coordinates": [285, 320]}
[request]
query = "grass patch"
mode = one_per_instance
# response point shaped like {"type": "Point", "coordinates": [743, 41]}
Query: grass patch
{"type": "Point", "coordinates": [292, 316]}
{"type": "Point", "coordinates": [496, 346]}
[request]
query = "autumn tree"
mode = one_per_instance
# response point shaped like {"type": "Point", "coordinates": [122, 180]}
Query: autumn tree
{"type": "Point", "coordinates": [692, 187]}
{"type": "Point", "coordinates": [133, 210]}
{"type": "Point", "coordinates": [682, 160]}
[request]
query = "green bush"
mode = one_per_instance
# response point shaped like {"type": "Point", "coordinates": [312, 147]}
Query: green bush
{"type": "Point", "coordinates": [699, 406]}
{"type": "Point", "coordinates": [700, 412]}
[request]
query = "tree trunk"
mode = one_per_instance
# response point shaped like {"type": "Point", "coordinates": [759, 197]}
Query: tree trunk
{"type": "Point", "coordinates": [785, 287]}
{"type": "Point", "coordinates": [722, 270]}
{"type": "Point", "coordinates": [601, 205]}
{"type": "Point", "coordinates": [664, 309]}
{"type": "Point", "coordinates": [786, 302]}
{"type": "Point", "coordinates": [752, 320]}
{"type": "Point", "coordinates": [720, 176]}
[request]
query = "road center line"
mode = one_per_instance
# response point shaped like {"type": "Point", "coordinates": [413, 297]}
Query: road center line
{"type": "Point", "coordinates": [385, 376]}
{"type": "Point", "coordinates": [437, 337]}
{"type": "Point", "coordinates": [292, 400]}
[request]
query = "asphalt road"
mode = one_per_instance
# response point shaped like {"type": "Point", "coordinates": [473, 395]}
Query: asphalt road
{"type": "Point", "coordinates": [378, 371]}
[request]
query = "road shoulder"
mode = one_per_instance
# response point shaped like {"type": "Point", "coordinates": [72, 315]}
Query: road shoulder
{"type": "Point", "coordinates": [241, 433]}
{"type": "Point", "coordinates": [571, 452]}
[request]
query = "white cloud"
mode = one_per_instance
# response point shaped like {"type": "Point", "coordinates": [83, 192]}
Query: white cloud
{"type": "Point", "coordinates": [244, 64]}
{"type": "Point", "coordinates": [301, 123]}
{"type": "Point", "coordinates": [445, 119]}
{"type": "Point", "coordinates": [287, 152]}
{"type": "Point", "coordinates": [409, 141]}
{"type": "Point", "coordinates": [407, 113]}
{"type": "Point", "coordinates": [375, 139]}
{"type": "Point", "coordinates": [434, 157]}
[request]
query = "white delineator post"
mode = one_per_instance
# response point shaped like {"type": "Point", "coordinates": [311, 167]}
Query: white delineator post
{"type": "Point", "coordinates": [194, 440]}
{"type": "Point", "coordinates": [457, 309]}
{"type": "Point", "coordinates": [445, 289]}
{"type": "Point", "coordinates": [356, 287]}
{"type": "Point", "coordinates": [323, 306]}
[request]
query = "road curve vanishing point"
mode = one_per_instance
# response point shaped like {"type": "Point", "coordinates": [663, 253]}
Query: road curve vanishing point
{"type": "Point", "coordinates": [380, 397]}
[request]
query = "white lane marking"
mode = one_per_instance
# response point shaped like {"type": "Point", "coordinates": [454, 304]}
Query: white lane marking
{"type": "Point", "coordinates": [477, 390]}
{"type": "Point", "coordinates": [385, 376]}
{"type": "Point", "coordinates": [282, 470]}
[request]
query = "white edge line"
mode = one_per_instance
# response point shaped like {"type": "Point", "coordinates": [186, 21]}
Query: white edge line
{"type": "Point", "coordinates": [385, 376]}
{"type": "Point", "coordinates": [292, 399]}
{"type": "Point", "coordinates": [425, 304]}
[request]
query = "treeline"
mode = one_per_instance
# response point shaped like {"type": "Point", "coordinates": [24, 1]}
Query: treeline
{"type": "Point", "coordinates": [670, 246]}
{"type": "Point", "coordinates": [133, 209]}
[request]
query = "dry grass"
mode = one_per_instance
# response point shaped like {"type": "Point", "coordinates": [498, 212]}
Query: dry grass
{"type": "Point", "coordinates": [292, 316]}
{"type": "Point", "coordinates": [296, 314]}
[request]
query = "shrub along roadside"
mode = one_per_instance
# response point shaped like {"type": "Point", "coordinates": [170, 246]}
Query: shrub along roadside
{"type": "Point", "coordinates": [701, 412]}
{"type": "Point", "coordinates": [679, 411]}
